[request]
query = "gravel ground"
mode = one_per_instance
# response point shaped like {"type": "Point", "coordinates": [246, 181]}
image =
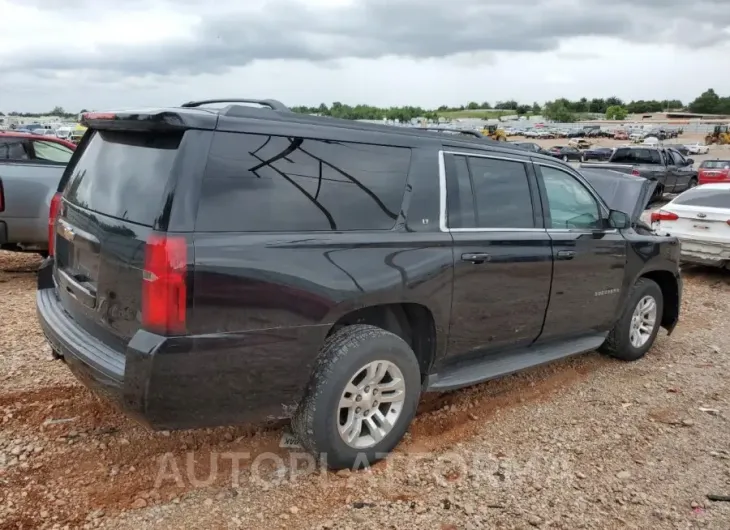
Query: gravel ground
{"type": "Point", "coordinates": [585, 443]}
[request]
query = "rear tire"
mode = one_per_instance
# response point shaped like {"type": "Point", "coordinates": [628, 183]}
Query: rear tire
{"type": "Point", "coordinates": [565, 158]}
{"type": "Point", "coordinates": [634, 333]}
{"type": "Point", "coordinates": [328, 417]}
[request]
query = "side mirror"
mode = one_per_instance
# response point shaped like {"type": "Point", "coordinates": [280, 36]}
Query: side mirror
{"type": "Point", "coordinates": [619, 220]}
{"type": "Point", "coordinates": [690, 161]}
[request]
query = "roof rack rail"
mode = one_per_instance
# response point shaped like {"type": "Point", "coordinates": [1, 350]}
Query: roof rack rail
{"type": "Point", "coordinates": [271, 103]}
{"type": "Point", "coordinates": [467, 132]}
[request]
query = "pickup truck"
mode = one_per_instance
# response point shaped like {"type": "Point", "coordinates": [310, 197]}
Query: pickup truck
{"type": "Point", "coordinates": [30, 170]}
{"type": "Point", "coordinates": [672, 172]}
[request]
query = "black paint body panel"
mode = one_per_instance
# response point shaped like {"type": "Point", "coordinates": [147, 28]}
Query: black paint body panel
{"type": "Point", "coordinates": [261, 304]}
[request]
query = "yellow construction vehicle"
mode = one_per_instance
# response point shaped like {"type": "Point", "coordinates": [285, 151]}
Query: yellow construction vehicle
{"type": "Point", "coordinates": [720, 136]}
{"type": "Point", "coordinates": [495, 133]}
{"type": "Point", "coordinates": [77, 132]}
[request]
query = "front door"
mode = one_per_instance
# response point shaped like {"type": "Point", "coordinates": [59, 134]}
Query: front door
{"type": "Point", "coordinates": [502, 254]}
{"type": "Point", "coordinates": [589, 259]}
{"type": "Point", "coordinates": [683, 171]}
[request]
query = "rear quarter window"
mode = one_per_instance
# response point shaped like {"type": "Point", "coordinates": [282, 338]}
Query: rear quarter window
{"type": "Point", "coordinates": [124, 174]}
{"type": "Point", "coordinates": [13, 149]}
{"type": "Point", "coordinates": [258, 183]}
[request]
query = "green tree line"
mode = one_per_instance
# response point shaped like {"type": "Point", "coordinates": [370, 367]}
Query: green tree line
{"type": "Point", "coordinates": [561, 109]}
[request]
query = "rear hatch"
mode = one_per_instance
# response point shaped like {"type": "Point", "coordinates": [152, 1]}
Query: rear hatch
{"type": "Point", "coordinates": [111, 209]}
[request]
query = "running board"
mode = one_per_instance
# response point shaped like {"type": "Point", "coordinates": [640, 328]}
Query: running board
{"type": "Point", "coordinates": [491, 366]}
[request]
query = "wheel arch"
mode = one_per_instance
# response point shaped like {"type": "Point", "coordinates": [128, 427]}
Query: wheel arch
{"type": "Point", "coordinates": [413, 322]}
{"type": "Point", "coordinates": [670, 285]}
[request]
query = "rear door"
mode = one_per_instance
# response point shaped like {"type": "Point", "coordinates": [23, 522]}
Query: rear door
{"type": "Point", "coordinates": [502, 257]}
{"type": "Point", "coordinates": [113, 199]}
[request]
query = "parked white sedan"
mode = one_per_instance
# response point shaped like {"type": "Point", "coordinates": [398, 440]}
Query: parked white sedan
{"type": "Point", "coordinates": [700, 218]}
{"type": "Point", "coordinates": [697, 148]}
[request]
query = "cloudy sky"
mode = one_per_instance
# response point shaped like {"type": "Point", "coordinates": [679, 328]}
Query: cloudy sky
{"type": "Point", "coordinates": [109, 54]}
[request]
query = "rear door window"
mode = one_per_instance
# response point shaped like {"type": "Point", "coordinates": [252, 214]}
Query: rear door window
{"type": "Point", "coordinates": [495, 193]}
{"type": "Point", "coordinates": [258, 183]}
{"type": "Point", "coordinates": [52, 152]}
{"type": "Point", "coordinates": [124, 174]}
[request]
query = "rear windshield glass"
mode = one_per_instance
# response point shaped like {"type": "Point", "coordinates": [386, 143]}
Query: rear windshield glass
{"type": "Point", "coordinates": [636, 156]}
{"type": "Point", "coordinates": [124, 174]}
{"type": "Point", "coordinates": [712, 198]}
{"type": "Point", "coordinates": [715, 164]}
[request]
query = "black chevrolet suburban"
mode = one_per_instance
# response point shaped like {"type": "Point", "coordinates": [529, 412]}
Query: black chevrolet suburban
{"type": "Point", "coordinates": [224, 265]}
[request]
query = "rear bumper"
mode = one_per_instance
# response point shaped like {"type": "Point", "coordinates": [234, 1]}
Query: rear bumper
{"type": "Point", "coordinates": [704, 252]}
{"type": "Point", "coordinates": [191, 381]}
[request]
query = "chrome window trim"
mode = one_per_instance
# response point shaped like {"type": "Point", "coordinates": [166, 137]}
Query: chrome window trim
{"type": "Point", "coordinates": [442, 193]}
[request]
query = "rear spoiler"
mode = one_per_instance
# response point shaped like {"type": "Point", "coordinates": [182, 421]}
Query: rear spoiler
{"type": "Point", "coordinates": [160, 120]}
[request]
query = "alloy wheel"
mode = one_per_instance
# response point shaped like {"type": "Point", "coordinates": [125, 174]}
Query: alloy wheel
{"type": "Point", "coordinates": [643, 321]}
{"type": "Point", "coordinates": [371, 404]}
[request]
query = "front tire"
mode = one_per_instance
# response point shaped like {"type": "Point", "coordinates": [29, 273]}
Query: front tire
{"type": "Point", "coordinates": [692, 184]}
{"type": "Point", "coordinates": [634, 333]}
{"type": "Point", "coordinates": [361, 398]}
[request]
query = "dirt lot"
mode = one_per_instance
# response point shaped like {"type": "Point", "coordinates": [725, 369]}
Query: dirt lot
{"type": "Point", "coordinates": [585, 443]}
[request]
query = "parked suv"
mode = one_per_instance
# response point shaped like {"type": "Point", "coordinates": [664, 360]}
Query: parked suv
{"type": "Point", "coordinates": [243, 264]}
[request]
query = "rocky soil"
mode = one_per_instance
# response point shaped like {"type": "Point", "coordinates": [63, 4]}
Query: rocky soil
{"type": "Point", "coordinates": [585, 443]}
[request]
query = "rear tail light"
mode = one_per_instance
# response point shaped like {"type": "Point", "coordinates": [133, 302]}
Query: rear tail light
{"type": "Point", "coordinates": [635, 172]}
{"type": "Point", "coordinates": [164, 287]}
{"type": "Point", "coordinates": [53, 213]}
{"type": "Point", "coordinates": [661, 215]}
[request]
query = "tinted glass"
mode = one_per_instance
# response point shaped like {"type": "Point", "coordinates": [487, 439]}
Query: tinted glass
{"type": "Point", "coordinates": [677, 159]}
{"type": "Point", "coordinates": [460, 205]}
{"type": "Point", "coordinates": [257, 183]}
{"type": "Point", "coordinates": [633, 155]}
{"type": "Point", "coordinates": [124, 174]}
{"type": "Point", "coordinates": [12, 149]}
{"type": "Point", "coordinates": [570, 204]}
{"type": "Point", "coordinates": [710, 164]}
{"type": "Point", "coordinates": [712, 198]}
{"type": "Point", "coordinates": [501, 193]}
{"type": "Point", "coordinates": [51, 152]}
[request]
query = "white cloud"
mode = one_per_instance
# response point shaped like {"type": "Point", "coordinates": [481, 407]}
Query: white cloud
{"type": "Point", "coordinates": [103, 54]}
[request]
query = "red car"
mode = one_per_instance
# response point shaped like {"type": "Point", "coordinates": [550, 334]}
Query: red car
{"type": "Point", "coordinates": [711, 171]}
